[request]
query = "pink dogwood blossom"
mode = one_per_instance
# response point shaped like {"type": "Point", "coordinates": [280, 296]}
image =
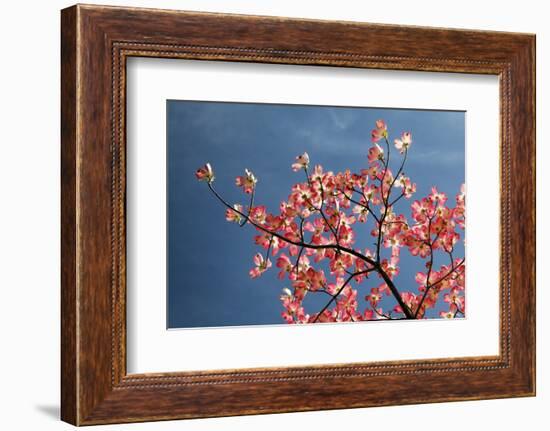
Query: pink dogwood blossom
{"type": "Point", "coordinates": [381, 131]}
{"type": "Point", "coordinates": [375, 153]}
{"type": "Point", "coordinates": [205, 173]}
{"type": "Point", "coordinates": [403, 143]}
{"type": "Point", "coordinates": [302, 162]}
{"type": "Point", "coordinates": [262, 265]}
{"type": "Point", "coordinates": [247, 181]}
{"type": "Point", "coordinates": [234, 214]}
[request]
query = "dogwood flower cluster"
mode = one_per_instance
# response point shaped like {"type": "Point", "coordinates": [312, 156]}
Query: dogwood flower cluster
{"type": "Point", "coordinates": [312, 239]}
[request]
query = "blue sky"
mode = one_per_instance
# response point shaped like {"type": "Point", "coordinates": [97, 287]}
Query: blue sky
{"type": "Point", "coordinates": [209, 258]}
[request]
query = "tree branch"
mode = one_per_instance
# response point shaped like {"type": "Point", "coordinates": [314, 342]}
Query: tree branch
{"type": "Point", "coordinates": [375, 264]}
{"type": "Point", "coordinates": [335, 296]}
{"type": "Point", "coordinates": [429, 286]}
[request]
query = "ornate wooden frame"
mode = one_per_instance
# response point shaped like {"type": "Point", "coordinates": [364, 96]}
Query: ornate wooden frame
{"type": "Point", "coordinates": [95, 42]}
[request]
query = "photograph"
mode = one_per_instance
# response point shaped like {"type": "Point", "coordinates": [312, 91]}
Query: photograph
{"type": "Point", "coordinates": [299, 214]}
{"type": "Point", "coordinates": [272, 209]}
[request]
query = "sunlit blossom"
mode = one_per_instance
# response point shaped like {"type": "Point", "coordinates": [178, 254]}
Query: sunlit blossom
{"type": "Point", "coordinates": [404, 142]}
{"type": "Point", "coordinates": [302, 162]}
{"type": "Point", "coordinates": [247, 181]}
{"type": "Point", "coordinates": [381, 131]}
{"type": "Point", "coordinates": [262, 265]}
{"type": "Point", "coordinates": [205, 173]}
{"type": "Point", "coordinates": [234, 214]}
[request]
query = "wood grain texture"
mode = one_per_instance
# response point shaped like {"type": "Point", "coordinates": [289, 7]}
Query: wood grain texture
{"type": "Point", "coordinates": [69, 397]}
{"type": "Point", "coordinates": [96, 41]}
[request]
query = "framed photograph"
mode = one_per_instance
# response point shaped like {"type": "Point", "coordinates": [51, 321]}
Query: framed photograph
{"type": "Point", "coordinates": [264, 214]}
